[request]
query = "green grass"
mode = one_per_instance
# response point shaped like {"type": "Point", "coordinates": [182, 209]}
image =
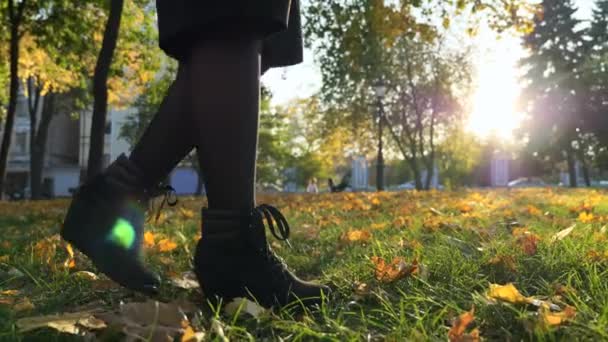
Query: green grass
{"type": "Point", "coordinates": [456, 236]}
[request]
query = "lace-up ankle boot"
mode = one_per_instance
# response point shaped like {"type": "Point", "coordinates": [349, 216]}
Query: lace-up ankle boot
{"type": "Point", "coordinates": [233, 259]}
{"type": "Point", "coordinates": [105, 222]}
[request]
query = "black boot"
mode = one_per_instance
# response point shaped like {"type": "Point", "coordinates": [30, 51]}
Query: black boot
{"type": "Point", "coordinates": [233, 259]}
{"type": "Point", "coordinates": [105, 222]}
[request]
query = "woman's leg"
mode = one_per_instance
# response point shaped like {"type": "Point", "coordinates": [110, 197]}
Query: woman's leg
{"type": "Point", "coordinates": [106, 217]}
{"type": "Point", "coordinates": [233, 258]}
{"type": "Point", "coordinates": [169, 136]}
{"type": "Point", "coordinates": [225, 80]}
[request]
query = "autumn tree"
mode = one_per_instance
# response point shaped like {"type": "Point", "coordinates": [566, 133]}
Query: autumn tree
{"type": "Point", "coordinates": [54, 24]}
{"type": "Point", "coordinates": [359, 42]}
{"type": "Point", "coordinates": [128, 59]}
{"type": "Point", "coordinates": [554, 89]}
{"type": "Point", "coordinates": [58, 43]}
{"type": "Point", "coordinates": [16, 16]}
{"type": "Point", "coordinates": [595, 79]}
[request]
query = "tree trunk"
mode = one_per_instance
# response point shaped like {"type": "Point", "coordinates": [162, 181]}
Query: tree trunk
{"type": "Point", "coordinates": [100, 88]}
{"type": "Point", "coordinates": [571, 166]}
{"type": "Point", "coordinates": [15, 22]}
{"type": "Point", "coordinates": [39, 146]}
{"type": "Point", "coordinates": [430, 170]}
{"type": "Point", "coordinates": [33, 105]}
{"type": "Point", "coordinates": [586, 174]}
{"type": "Point", "coordinates": [416, 171]}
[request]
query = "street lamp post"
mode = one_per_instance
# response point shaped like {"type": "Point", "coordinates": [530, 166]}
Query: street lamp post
{"type": "Point", "coordinates": [380, 90]}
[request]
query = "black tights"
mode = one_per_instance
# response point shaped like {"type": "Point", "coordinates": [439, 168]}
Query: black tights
{"type": "Point", "coordinates": [213, 105]}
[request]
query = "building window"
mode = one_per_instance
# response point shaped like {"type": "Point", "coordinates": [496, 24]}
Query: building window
{"type": "Point", "coordinates": [20, 146]}
{"type": "Point", "coordinates": [106, 160]}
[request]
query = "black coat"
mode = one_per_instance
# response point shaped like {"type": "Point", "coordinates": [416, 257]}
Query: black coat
{"type": "Point", "coordinates": [183, 22]}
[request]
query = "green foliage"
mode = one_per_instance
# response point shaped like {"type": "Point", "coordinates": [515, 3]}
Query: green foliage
{"type": "Point", "coordinates": [457, 156]}
{"type": "Point", "coordinates": [147, 104]}
{"type": "Point", "coordinates": [554, 71]}
{"type": "Point", "coordinates": [273, 153]}
{"type": "Point", "coordinates": [595, 74]}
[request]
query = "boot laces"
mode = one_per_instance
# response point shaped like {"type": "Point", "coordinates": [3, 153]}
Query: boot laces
{"type": "Point", "coordinates": [169, 197]}
{"type": "Point", "coordinates": [279, 228]}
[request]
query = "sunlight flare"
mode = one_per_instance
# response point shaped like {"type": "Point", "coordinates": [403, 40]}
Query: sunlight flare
{"type": "Point", "coordinates": [494, 103]}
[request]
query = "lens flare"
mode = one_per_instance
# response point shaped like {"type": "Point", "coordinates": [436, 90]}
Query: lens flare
{"type": "Point", "coordinates": [123, 234]}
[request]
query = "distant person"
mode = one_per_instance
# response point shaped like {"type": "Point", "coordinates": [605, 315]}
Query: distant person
{"type": "Point", "coordinates": [213, 105]}
{"type": "Point", "coordinates": [345, 183]}
{"type": "Point", "coordinates": [312, 186]}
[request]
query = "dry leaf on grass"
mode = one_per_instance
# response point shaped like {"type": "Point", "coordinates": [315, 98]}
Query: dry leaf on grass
{"type": "Point", "coordinates": [507, 293]}
{"type": "Point", "coordinates": [160, 321]}
{"type": "Point", "coordinates": [394, 271]}
{"type": "Point", "coordinates": [85, 275]}
{"type": "Point", "coordinates": [71, 323]}
{"type": "Point", "coordinates": [549, 318]}
{"type": "Point", "coordinates": [460, 325]}
{"type": "Point", "coordinates": [507, 261]}
{"type": "Point", "coordinates": [186, 213]}
{"type": "Point", "coordinates": [149, 240]}
{"type": "Point", "coordinates": [379, 225]}
{"type": "Point", "coordinates": [361, 290]}
{"type": "Point", "coordinates": [356, 236]}
{"type": "Point", "coordinates": [190, 335]}
{"type": "Point", "coordinates": [24, 304]}
{"type": "Point", "coordinates": [186, 281]}
{"type": "Point", "coordinates": [562, 234]}
{"type": "Point", "coordinates": [9, 293]}
{"type": "Point", "coordinates": [166, 245]}
{"type": "Point", "coordinates": [104, 284]}
{"type": "Point", "coordinates": [244, 305]}
{"type": "Point", "coordinates": [527, 241]}
{"type": "Point", "coordinates": [510, 294]}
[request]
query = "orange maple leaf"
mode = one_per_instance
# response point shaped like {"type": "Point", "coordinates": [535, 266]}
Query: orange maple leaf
{"type": "Point", "coordinates": [166, 245]}
{"type": "Point", "coordinates": [459, 326]}
{"type": "Point", "coordinates": [528, 243]}
{"type": "Point", "coordinates": [397, 269]}
{"type": "Point", "coordinates": [149, 239]}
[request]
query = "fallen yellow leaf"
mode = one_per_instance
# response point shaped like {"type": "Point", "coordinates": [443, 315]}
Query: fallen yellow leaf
{"type": "Point", "coordinates": [186, 213]}
{"type": "Point", "coordinates": [70, 250]}
{"type": "Point", "coordinates": [9, 293]}
{"type": "Point", "coordinates": [549, 318]}
{"type": "Point", "coordinates": [534, 211]}
{"type": "Point", "coordinates": [149, 239]}
{"type": "Point", "coordinates": [190, 335]}
{"type": "Point", "coordinates": [507, 293]}
{"type": "Point", "coordinates": [166, 245]}
{"type": "Point", "coordinates": [356, 236]}
{"type": "Point", "coordinates": [380, 225]}
{"type": "Point", "coordinates": [585, 217]}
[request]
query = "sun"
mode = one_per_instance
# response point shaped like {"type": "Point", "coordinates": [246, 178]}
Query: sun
{"type": "Point", "coordinates": [494, 102]}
